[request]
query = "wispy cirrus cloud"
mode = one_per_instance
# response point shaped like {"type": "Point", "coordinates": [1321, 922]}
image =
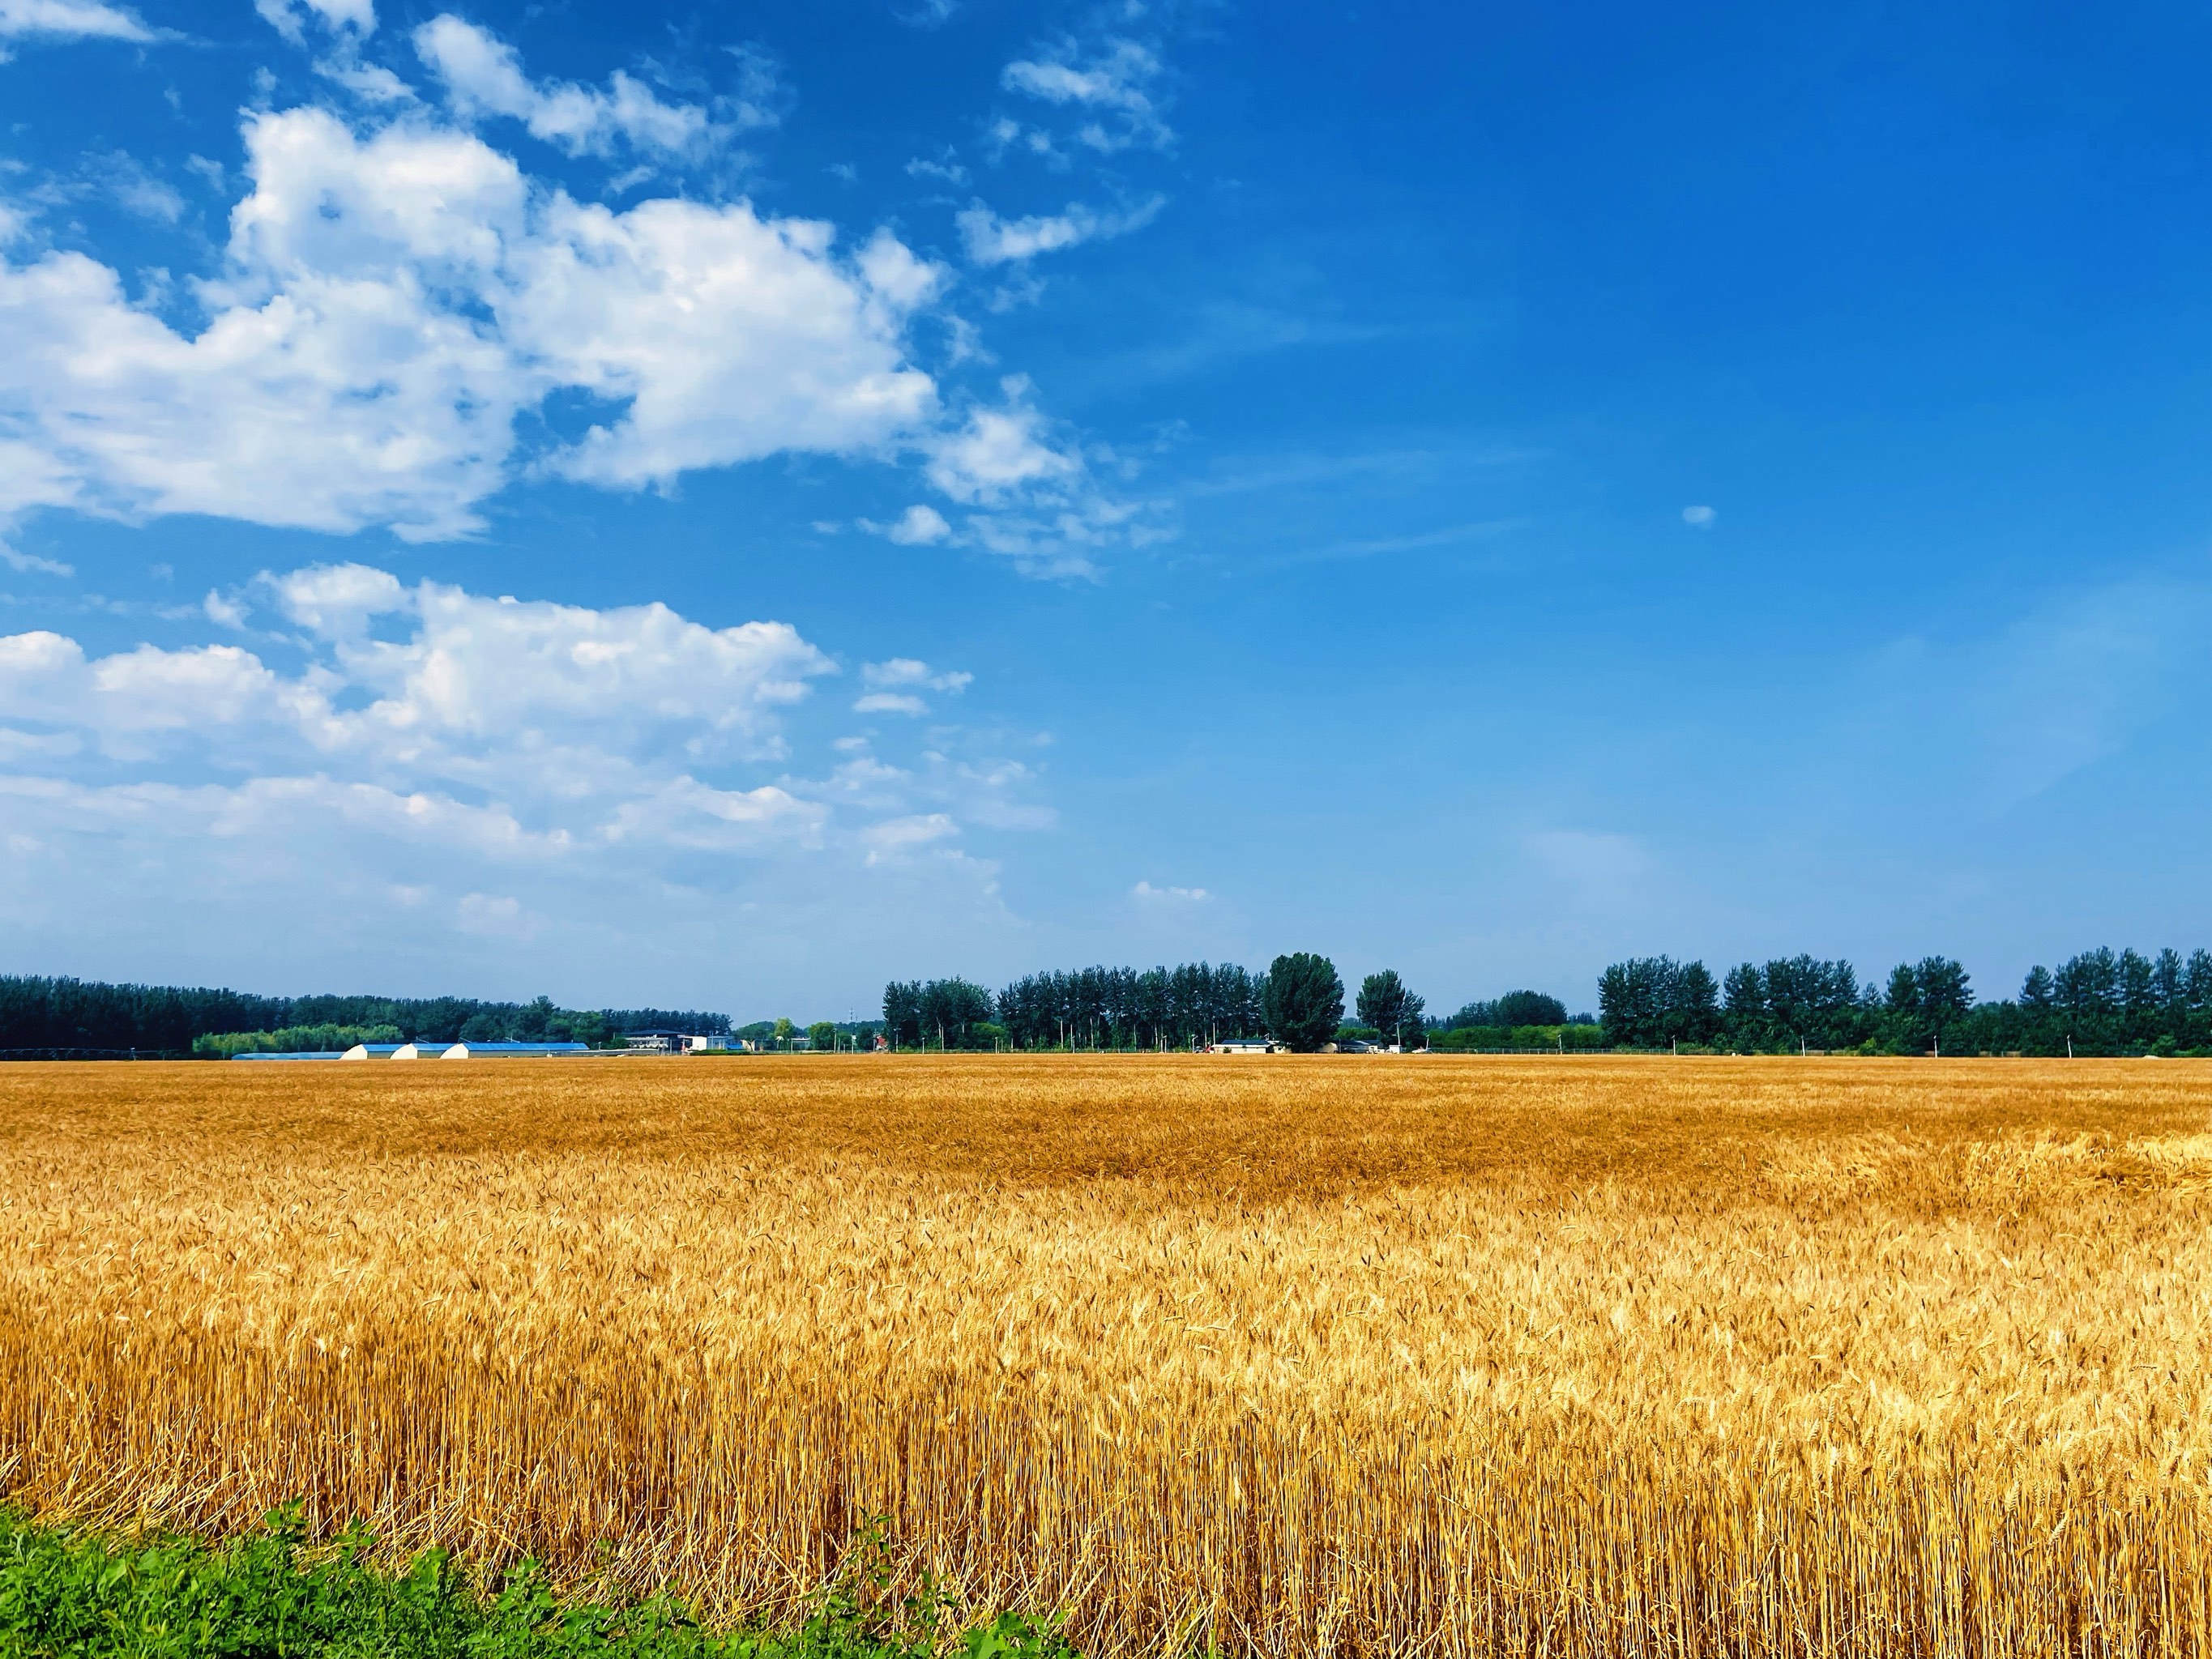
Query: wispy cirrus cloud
{"type": "Point", "coordinates": [1146, 893]}
{"type": "Point", "coordinates": [991, 240]}
{"type": "Point", "coordinates": [895, 687]}
{"type": "Point", "coordinates": [1113, 88]}
{"type": "Point", "coordinates": [70, 19]}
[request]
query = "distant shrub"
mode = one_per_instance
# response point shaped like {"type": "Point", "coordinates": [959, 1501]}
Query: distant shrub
{"type": "Point", "coordinates": [1492, 1039]}
{"type": "Point", "coordinates": [292, 1040]}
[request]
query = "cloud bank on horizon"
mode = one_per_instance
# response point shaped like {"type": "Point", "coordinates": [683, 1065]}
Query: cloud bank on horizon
{"type": "Point", "coordinates": [444, 760]}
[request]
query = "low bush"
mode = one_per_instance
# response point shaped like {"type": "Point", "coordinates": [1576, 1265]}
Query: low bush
{"type": "Point", "coordinates": [67, 1594]}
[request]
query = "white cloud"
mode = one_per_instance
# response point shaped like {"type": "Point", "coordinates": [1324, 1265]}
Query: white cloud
{"type": "Point", "coordinates": [69, 20]}
{"type": "Point", "coordinates": [999, 451]}
{"type": "Point", "coordinates": [991, 240]}
{"type": "Point", "coordinates": [484, 76]}
{"type": "Point", "coordinates": [731, 337]}
{"type": "Point", "coordinates": [425, 775]}
{"type": "Point", "coordinates": [558, 704]}
{"type": "Point", "coordinates": [897, 682]}
{"type": "Point", "coordinates": [1146, 892]}
{"type": "Point", "coordinates": [1113, 86]}
{"type": "Point", "coordinates": [1700, 517]}
{"type": "Point", "coordinates": [453, 744]}
{"type": "Point", "coordinates": [336, 600]}
{"type": "Point", "coordinates": [1040, 506]}
{"type": "Point", "coordinates": [131, 187]}
{"type": "Point", "coordinates": [898, 835]}
{"type": "Point", "coordinates": [926, 13]}
{"type": "Point", "coordinates": [397, 299]}
{"type": "Point", "coordinates": [290, 18]}
{"type": "Point", "coordinates": [371, 82]}
{"type": "Point", "coordinates": [16, 559]}
{"type": "Point", "coordinates": [919, 525]}
{"type": "Point", "coordinates": [392, 302]}
{"type": "Point", "coordinates": [947, 170]}
{"type": "Point", "coordinates": [889, 702]}
{"type": "Point", "coordinates": [911, 670]}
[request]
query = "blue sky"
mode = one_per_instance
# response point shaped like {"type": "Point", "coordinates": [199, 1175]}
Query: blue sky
{"type": "Point", "coordinates": [1483, 492]}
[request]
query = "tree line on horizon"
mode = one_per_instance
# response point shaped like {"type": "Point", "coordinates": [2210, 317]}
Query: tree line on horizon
{"type": "Point", "coordinates": [50, 1014]}
{"type": "Point", "coordinates": [2098, 1002]}
{"type": "Point", "coordinates": [1298, 1000]}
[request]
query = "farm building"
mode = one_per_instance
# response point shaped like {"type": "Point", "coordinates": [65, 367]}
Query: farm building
{"type": "Point", "coordinates": [416, 1051]}
{"type": "Point", "coordinates": [509, 1050]}
{"type": "Point", "coordinates": [673, 1043]}
{"type": "Point", "coordinates": [1243, 1046]}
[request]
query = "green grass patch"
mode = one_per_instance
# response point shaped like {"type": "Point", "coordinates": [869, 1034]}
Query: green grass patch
{"type": "Point", "coordinates": [71, 1593]}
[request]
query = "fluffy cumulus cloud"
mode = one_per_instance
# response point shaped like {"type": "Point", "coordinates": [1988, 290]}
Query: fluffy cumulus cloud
{"type": "Point", "coordinates": [919, 525]}
{"type": "Point", "coordinates": [998, 453]}
{"type": "Point", "coordinates": [403, 322]}
{"type": "Point", "coordinates": [423, 741]}
{"type": "Point", "coordinates": [406, 688]}
{"type": "Point", "coordinates": [392, 301]}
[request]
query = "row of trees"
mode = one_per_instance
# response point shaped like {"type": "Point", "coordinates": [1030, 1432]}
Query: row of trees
{"type": "Point", "coordinates": [2101, 1001]}
{"type": "Point", "coordinates": [48, 1013]}
{"type": "Point", "coordinates": [1299, 1001]}
{"type": "Point", "coordinates": [1131, 1008]}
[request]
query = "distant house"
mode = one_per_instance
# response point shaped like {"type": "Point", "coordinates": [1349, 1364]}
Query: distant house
{"type": "Point", "coordinates": [673, 1043]}
{"type": "Point", "coordinates": [1243, 1046]}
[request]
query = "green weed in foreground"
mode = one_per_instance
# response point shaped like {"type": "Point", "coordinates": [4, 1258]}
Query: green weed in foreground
{"type": "Point", "coordinates": [71, 1595]}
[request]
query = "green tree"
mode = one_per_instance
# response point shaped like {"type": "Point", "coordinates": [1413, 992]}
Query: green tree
{"type": "Point", "coordinates": [785, 1030]}
{"type": "Point", "coordinates": [1651, 1002]}
{"type": "Point", "coordinates": [902, 1013]}
{"type": "Point", "coordinates": [1385, 1004]}
{"type": "Point", "coordinates": [1304, 1001]}
{"type": "Point", "coordinates": [822, 1034]}
{"type": "Point", "coordinates": [1528, 1008]}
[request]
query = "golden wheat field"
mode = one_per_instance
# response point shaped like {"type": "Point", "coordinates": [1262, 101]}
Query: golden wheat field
{"type": "Point", "coordinates": [1444, 1355]}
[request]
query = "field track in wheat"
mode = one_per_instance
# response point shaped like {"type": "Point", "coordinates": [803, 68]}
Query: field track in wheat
{"type": "Point", "coordinates": [1444, 1355]}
